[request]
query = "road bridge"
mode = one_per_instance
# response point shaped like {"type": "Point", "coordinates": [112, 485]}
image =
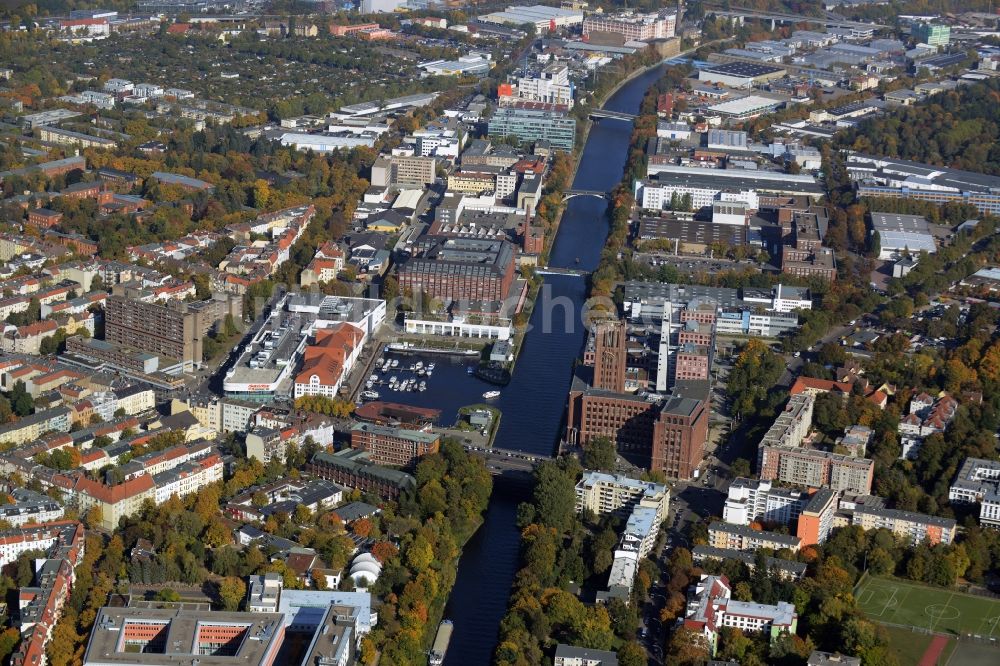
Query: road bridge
{"type": "Point", "coordinates": [504, 461]}
{"type": "Point", "coordinates": [562, 271]}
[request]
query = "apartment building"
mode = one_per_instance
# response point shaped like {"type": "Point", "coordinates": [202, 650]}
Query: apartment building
{"type": "Point", "coordinates": [29, 506]}
{"type": "Point", "coordinates": [817, 517]}
{"type": "Point", "coordinates": [816, 469]}
{"type": "Point", "coordinates": [792, 425]}
{"type": "Point", "coordinates": [742, 537]}
{"type": "Point", "coordinates": [175, 330]}
{"type": "Point", "coordinates": [618, 494]}
{"type": "Point", "coordinates": [751, 500]}
{"type": "Point", "coordinates": [40, 605]}
{"type": "Point", "coordinates": [787, 569]}
{"type": "Point", "coordinates": [397, 447]}
{"type": "Point", "coordinates": [636, 542]}
{"type": "Point", "coordinates": [188, 478]}
{"type": "Point", "coordinates": [780, 456]}
{"type": "Point", "coordinates": [29, 428]}
{"type": "Point", "coordinates": [918, 527]}
{"type": "Point", "coordinates": [262, 593]}
{"type": "Point", "coordinates": [112, 502]}
{"type": "Point", "coordinates": [978, 480]}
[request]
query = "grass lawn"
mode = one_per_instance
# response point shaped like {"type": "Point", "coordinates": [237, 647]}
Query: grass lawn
{"type": "Point", "coordinates": [935, 609]}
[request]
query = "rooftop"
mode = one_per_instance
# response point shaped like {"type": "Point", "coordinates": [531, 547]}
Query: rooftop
{"type": "Point", "coordinates": [743, 69]}
{"type": "Point", "coordinates": [185, 637]}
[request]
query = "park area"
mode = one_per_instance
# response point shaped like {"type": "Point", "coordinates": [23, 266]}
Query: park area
{"type": "Point", "coordinates": [933, 613]}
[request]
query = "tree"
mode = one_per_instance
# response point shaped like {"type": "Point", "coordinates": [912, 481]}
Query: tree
{"type": "Point", "coordinates": [231, 592]}
{"type": "Point", "coordinates": [555, 496]}
{"type": "Point", "coordinates": [687, 648]}
{"type": "Point", "coordinates": [740, 467]}
{"type": "Point", "coordinates": [94, 517]}
{"type": "Point", "coordinates": [632, 654]}
{"type": "Point", "coordinates": [362, 527]}
{"type": "Point", "coordinates": [419, 554]}
{"type": "Point", "coordinates": [599, 454]}
{"type": "Point", "coordinates": [168, 594]}
{"type": "Point", "coordinates": [383, 551]}
{"type": "Point", "coordinates": [20, 400]}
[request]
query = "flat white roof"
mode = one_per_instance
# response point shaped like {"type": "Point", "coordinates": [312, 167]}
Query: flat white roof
{"type": "Point", "coordinates": [744, 105]}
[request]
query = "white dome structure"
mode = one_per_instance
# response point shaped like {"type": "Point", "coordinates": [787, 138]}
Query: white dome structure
{"type": "Point", "coordinates": [365, 570]}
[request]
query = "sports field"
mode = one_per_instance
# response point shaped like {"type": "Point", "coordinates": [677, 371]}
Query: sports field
{"type": "Point", "coordinates": [934, 609]}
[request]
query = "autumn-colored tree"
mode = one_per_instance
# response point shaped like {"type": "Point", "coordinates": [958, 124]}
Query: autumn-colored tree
{"type": "Point", "coordinates": [231, 592]}
{"type": "Point", "coordinates": [419, 554]}
{"type": "Point", "coordinates": [383, 551]}
{"type": "Point", "coordinates": [362, 527]}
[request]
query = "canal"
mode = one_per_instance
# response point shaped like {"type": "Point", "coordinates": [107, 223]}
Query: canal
{"type": "Point", "coordinates": [534, 402]}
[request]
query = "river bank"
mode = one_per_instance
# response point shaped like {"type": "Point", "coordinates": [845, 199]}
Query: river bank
{"type": "Point", "coordinates": [533, 404]}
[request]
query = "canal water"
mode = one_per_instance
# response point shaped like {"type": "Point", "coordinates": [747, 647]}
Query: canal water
{"type": "Point", "coordinates": [533, 404]}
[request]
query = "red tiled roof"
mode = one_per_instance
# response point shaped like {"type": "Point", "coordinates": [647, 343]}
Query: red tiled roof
{"type": "Point", "coordinates": [327, 356]}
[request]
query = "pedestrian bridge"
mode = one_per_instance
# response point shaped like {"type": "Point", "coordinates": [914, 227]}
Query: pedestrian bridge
{"type": "Point", "coordinates": [597, 114]}
{"type": "Point", "coordinates": [600, 194]}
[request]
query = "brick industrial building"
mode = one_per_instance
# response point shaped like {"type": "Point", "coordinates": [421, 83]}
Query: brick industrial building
{"type": "Point", "coordinates": [398, 447]}
{"type": "Point", "coordinates": [354, 468]}
{"type": "Point", "coordinates": [460, 269]}
{"type": "Point", "coordinates": [671, 432]}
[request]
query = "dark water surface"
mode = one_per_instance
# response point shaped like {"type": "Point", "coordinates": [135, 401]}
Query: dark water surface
{"type": "Point", "coordinates": [533, 404]}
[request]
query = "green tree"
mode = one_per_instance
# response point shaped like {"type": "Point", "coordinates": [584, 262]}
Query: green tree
{"type": "Point", "coordinates": [599, 454]}
{"type": "Point", "coordinates": [21, 401]}
{"type": "Point", "coordinates": [740, 467]}
{"type": "Point", "coordinates": [555, 495]}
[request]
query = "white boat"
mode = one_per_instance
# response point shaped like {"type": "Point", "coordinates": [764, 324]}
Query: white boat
{"type": "Point", "coordinates": [428, 373]}
{"type": "Point", "coordinates": [430, 366]}
{"type": "Point", "coordinates": [421, 372]}
{"type": "Point", "coordinates": [369, 395]}
{"type": "Point", "coordinates": [393, 379]}
{"type": "Point", "coordinates": [420, 364]}
{"type": "Point", "coordinates": [394, 363]}
{"type": "Point", "coordinates": [413, 366]}
{"type": "Point", "coordinates": [489, 395]}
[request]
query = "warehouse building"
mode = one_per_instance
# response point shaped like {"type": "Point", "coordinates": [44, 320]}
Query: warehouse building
{"type": "Point", "coordinates": [740, 74]}
{"type": "Point", "coordinates": [899, 234]}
